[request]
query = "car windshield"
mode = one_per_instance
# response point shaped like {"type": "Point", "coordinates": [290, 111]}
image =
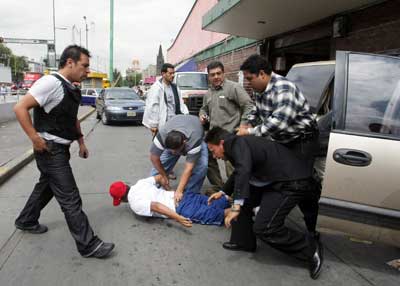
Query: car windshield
{"type": "Point", "coordinates": [312, 80]}
{"type": "Point", "coordinates": [192, 81]}
{"type": "Point", "coordinates": [118, 94]}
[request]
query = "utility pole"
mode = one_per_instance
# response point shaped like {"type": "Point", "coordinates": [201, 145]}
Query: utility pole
{"type": "Point", "coordinates": [54, 32]}
{"type": "Point", "coordinates": [111, 67]}
{"type": "Point", "coordinates": [87, 42]}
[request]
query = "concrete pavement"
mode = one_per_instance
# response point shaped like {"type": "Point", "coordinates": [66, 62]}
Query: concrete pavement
{"type": "Point", "coordinates": [155, 251]}
{"type": "Point", "coordinates": [16, 148]}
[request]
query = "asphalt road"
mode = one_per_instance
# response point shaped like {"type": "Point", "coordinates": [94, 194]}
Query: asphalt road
{"type": "Point", "coordinates": [155, 251]}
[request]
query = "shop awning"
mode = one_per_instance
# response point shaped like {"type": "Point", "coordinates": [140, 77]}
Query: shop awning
{"type": "Point", "coordinates": [187, 65]}
{"type": "Point", "coordinates": [260, 19]}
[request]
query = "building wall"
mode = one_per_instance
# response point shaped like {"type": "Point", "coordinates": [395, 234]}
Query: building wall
{"type": "Point", "coordinates": [373, 30]}
{"type": "Point", "coordinates": [232, 62]}
{"type": "Point", "coordinates": [192, 39]}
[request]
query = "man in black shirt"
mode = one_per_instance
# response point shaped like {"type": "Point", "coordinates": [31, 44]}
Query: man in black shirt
{"type": "Point", "coordinates": [276, 178]}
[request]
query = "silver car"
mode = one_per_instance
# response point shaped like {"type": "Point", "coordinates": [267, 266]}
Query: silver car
{"type": "Point", "coordinates": [357, 101]}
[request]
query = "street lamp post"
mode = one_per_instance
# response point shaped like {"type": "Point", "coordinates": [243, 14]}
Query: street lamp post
{"type": "Point", "coordinates": [87, 42]}
{"type": "Point", "coordinates": [54, 31]}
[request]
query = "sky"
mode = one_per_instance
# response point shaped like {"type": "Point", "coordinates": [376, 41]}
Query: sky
{"type": "Point", "coordinates": [140, 26]}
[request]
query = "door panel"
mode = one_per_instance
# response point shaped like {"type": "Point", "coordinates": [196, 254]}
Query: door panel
{"type": "Point", "coordinates": [363, 160]}
{"type": "Point", "coordinates": [377, 184]}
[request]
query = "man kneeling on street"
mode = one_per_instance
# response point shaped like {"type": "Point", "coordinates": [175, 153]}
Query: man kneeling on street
{"type": "Point", "coordinates": [146, 199]}
{"type": "Point", "coordinates": [181, 135]}
{"type": "Point", "coordinates": [262, 177]}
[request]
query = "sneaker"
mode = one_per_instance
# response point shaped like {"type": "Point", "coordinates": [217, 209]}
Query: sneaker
{"type": "Point", "coordinates": [102, 250]}
{"type": "Point", "coordinates": [36, 229]}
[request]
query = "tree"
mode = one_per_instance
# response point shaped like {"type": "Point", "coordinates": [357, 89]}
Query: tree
{"type": "Point", "coordinates": [133, 78]}
{"type": "Point", "coordinates": [117, 78]}
{"type": "Point", "coordinates": [18, 64]}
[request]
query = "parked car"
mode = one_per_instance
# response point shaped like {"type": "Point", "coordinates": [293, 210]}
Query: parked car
{"type": "Point", "coordinates": [357, 101]}
{"type": "Point", "coordinates": [89, 96]}
{"type": "Point", "coordinates": [119, 104]}
{"type": "Point", "coordinates": [192, 86]}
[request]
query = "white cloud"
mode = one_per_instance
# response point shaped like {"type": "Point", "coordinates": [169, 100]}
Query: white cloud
{"type": "Point", "coordinates": [140, 26]}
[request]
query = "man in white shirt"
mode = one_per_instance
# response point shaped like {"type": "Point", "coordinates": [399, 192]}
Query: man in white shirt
{"type": "Point", "coordinates": [147, 199]}
{"type": "Point", "coordinates": [55, 102]}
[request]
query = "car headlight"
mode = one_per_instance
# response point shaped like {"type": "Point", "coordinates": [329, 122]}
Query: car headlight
{"type": "Point", "coordinates": [141, 107]}
{"type": "Point", "coordinates": [113, 108]}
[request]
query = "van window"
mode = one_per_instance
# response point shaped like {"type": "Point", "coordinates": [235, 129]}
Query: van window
{"type": "Point", "coordinates": [312, 81]}
{"type": "Point", "coordinates": [373, 95]}
{"type": "Point", "coordinates": [187, 81]}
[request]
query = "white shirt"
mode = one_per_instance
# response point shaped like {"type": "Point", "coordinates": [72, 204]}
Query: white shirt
{"type": "Point", "coordinates": [144, 192]}
{"type": "Point", "coordinates": [48, 92]}
{"type": "Point", "coordinates": [170, 101]}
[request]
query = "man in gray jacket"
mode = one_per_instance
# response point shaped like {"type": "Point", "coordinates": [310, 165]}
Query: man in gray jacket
{"type": "Point", "coordinates": [226, 105]}
{"type": "Point", "coordinates": [163, 101]}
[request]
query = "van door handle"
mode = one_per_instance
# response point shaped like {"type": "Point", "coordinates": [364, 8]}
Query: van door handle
{"type": "Point", "coordinates": [352, 157]}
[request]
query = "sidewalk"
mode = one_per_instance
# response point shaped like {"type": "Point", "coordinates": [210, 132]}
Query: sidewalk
{"type": "Point", "coordinates": [16, 150]}
{"type": "Point", "coordinates": [155, 251]}
{"type": "Point", "coordinates": [14, 141]}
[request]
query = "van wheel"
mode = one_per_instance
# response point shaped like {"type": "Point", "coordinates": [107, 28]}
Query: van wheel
{"type": "Point", "coordinates": [104, 119]}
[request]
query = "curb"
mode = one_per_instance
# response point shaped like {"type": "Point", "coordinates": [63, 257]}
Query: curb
{"type": "Point", "coordinates": [16, 164]}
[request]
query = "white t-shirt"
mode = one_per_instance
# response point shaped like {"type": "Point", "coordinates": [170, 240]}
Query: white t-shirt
{"type": "Point", "coordinates": [144, 192]}
{"type": "Point", "coordinates": [48, 92]}
{"type": "Point", "coordinates": [170, 101]}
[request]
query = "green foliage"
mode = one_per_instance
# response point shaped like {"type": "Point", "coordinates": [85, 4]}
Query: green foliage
{"type": "Point", "coordinates": [132, 79]}
{"type": "Point", "coordinates": [18, 64]}
{"type": "Point", "coordinates": [117, 78]}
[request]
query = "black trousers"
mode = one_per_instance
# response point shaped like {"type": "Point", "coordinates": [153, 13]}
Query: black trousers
{"type": "Point", "coordinates": [56, 179]}
{"type": "Point", "coordinates": [275, 204]}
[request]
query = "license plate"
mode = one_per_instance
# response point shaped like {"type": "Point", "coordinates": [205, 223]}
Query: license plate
{"type": "Point", "coordinates": [131, 114]}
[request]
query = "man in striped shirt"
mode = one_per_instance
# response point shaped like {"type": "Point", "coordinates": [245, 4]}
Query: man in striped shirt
{"type": "Point", "coordinates": [282, 115]}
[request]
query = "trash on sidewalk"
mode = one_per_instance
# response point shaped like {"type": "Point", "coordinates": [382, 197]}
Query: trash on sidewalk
{"type": "Point", "coordinates": [394, 263]}
{"type": "Point", "coordinates": [355, 239]}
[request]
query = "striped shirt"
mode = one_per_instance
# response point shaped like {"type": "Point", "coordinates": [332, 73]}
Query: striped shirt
{"type": "Point", "coordinates": [281, 112]}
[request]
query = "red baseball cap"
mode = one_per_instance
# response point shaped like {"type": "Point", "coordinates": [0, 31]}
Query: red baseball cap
{"type": "Point", "coordinates": [117, 191]}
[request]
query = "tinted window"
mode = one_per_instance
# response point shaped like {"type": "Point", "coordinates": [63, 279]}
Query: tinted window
{"type": "Point", "coordinates": [312, 81]}
{"type": "Point", "coordinates": [117, 94]}
{"type": "Point", "coordinates": [373, 95]}
{"type": "Point", "coordinates": [90, 92]}
{"type": "Point", "coordinates": [192, 81]}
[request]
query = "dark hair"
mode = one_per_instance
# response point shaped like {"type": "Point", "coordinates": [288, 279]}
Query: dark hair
{"type": "Point", "coordinates": [174, 140]}
{"type": "Point", "coordinates": [215, 135]}
{"type": "Point", "coordinates": [255, 63]}
{"type": "Point", "coordinates": [72, 52]}
{"type": "Point", "coordinates": [214, 65]}
{"type": "Point", "coordinates": [166, 66]}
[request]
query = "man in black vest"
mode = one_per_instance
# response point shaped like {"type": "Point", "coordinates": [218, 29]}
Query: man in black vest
{"type": "Point", "coordinates": [55, 102]}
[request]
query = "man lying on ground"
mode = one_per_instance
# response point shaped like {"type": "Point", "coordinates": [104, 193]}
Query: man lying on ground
{"type": "Point", "coordinates": [146, 199]}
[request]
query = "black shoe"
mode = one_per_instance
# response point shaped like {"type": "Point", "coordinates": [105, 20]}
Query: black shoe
{"type": "Point", "coordinates": [235, 247]}
{"type": "Point", "coordinates": [102, 251]}
{"type": "Point", "coordinates": [36, 229]}
{"type": "Point", "coordinates": [316, 261]}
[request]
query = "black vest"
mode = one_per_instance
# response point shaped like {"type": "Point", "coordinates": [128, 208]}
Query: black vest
{"type": "Point", "coordinates": [61, 120]}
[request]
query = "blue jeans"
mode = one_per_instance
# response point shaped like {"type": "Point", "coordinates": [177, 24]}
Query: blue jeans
{"type": "Point", "coordinates": [199, 172]}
